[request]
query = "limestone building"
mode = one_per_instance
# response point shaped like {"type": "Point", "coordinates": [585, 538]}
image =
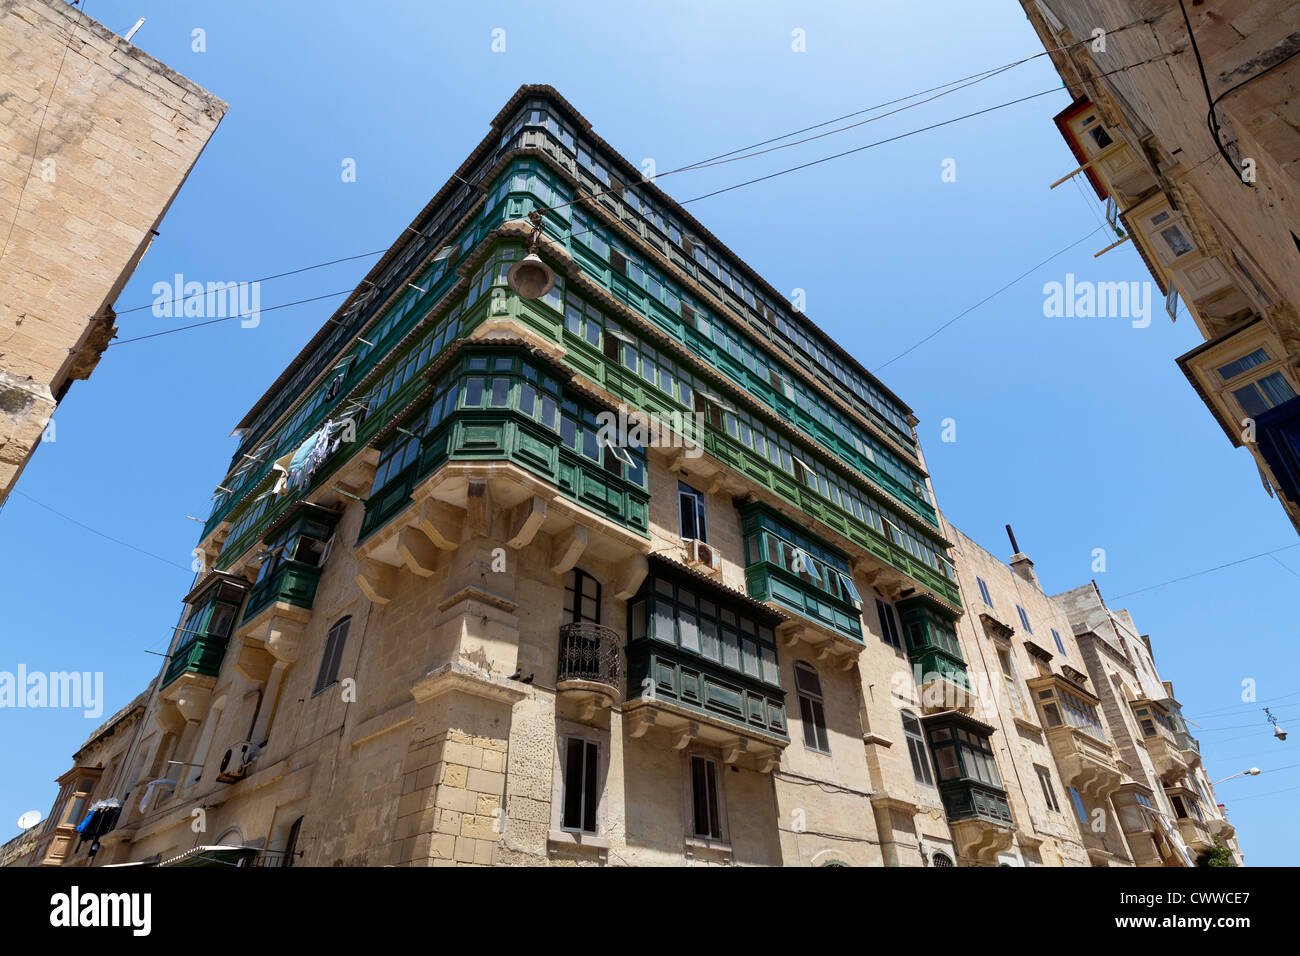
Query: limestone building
{"type": "Point", "coordinates": [462, 606]}
{"type": "Point", "coordinates": [1210, 204]}
{"type": "Point", "coordinates": [96, 138]}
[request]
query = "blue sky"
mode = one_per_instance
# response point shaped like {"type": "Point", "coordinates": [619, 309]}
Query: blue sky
{"type": "Point", "coordinates": [1082, 433]}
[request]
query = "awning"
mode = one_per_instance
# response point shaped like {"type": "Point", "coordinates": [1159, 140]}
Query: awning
{"type": "Point", "coordinates": [213, 856]}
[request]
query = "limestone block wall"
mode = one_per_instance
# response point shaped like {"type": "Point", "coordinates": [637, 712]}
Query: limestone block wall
{"type": "Point", "coordinates": [96, 138]}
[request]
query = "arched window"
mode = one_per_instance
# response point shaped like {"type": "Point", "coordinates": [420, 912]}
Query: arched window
{"type": "Point", "coordinates": [917, 749]}
{"type": "Point", "coordinates": [940, 859]}
{"type": "Point", "coordinates": [811, 712]}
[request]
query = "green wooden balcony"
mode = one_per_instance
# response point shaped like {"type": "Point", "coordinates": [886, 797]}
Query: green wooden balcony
{"type": "Point", "coordinates": [662, 673]}
{"type": "Point", "coordinates": [199, 655]}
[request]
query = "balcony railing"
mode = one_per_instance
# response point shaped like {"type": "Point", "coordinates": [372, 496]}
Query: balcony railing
{"type": "Point", "coordinates": [590, 652]}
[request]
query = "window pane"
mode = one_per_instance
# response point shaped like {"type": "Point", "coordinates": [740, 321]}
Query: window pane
{"type": "Point", "coordinates": [573, 790]}
{"type": "Point", "coordinates": [591, 793]}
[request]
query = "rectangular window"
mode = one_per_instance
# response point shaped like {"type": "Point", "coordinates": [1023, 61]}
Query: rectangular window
{"type": "Point", "coordinates": [691, 506]}
{"type": "Point", "coordinates": [707, 816]}
{"type": "Point", "coordinates": [984, 592]}
{"type": "Point", "coordinates": [1060, 645]}
{"type": "Point", "coordinates": [1049, 792]}
{"type": "Point", "coordinates": [1024, 619]}
{"type": "Point", "coordinates": [581, 785]}
{"type": "Point", "coordinates": [888, 624]}
{"type": "Point", "coordinates": [333, 656]}
{"type": "Point", "coordinates": [1233, 369]}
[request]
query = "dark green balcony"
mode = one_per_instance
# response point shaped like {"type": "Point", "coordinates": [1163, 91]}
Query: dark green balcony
{"type": "Point", "coordinates": [968, 777]}
{"type": "Point", "coordinates": [799, 572]}
{"type": "Point", "coordinates": [296, 547]}
{"type": "Point", "coordinates": [206, 628]}
{"type": "Point", "coordinates": [699, 648]}
{"type": "Point", "coordinates": [710, 689]}
{"type": "Point", "coordinates": [932, 644]}
{"type": "Point", "coordinates": [502, 405]}
{"type": "Point", "coordinates": [199, 655]}
{"type": "Point", "coordinates": [970, 800]}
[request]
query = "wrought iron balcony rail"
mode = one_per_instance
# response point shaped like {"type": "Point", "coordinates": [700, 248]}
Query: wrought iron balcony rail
{"type": "Point", "coordinates": [590, 652]}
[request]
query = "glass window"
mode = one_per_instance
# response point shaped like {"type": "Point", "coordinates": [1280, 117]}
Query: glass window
{"type": "Point", "coordinates": [916, 748]}
{"type": "Point", "coordinates": [581, 785]}
{"type": "Point", "coordinates": [333, 656]}
{"type": "Point", "coordinates": [707, 816]}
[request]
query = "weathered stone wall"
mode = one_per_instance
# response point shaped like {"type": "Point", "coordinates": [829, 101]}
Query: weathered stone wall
{"type": "Point", "coordinates": [96, 138]}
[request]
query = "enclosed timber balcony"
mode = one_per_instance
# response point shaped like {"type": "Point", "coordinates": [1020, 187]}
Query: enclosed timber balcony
{"type": "Point", "coordinates": [1161, 740]}
{"type": "Point", "coordinates": [1086, 759]}
{"type": "Point", "coordinates": [201, 639]}
{"type": "Point", "coordinates": [590, 669]}
{"type": "Point", "coordinates": [970, 784]}
{"type": "Point", "coordinates": [935, 653]}
{"type": "Point", "coordinates": [1196, 834]}
{"type": "Point", "coordinates": [1136, 809]}
{"type": "Point", "coordinates": [702, 667]}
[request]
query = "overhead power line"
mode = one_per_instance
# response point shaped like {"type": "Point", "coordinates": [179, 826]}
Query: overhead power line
{"type": "Point", "coordinates": [227, 318]}
{"type": "Point", "coordinates": [1197, 574]}
{"type": "Point", "coordinates": [950, 87]}
{"type": "Point", "coordinates": [107, 537]}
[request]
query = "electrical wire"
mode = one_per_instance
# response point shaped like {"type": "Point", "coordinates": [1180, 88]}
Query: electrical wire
{"type": "Point", "coordinates": [991, 295]}
{"type": "Point", "coordinates": [227, 318]}
{"type": "Point", "coordinates": [278, 275]}
{"type": "Point", "coordinates": [731, 156]}
{"type": "Point", "coordinates": [1251, 704]}
{"type": "Point", "coordinates": [108, 537]}
{"type": "Point", "coordinates": [1196, 574]}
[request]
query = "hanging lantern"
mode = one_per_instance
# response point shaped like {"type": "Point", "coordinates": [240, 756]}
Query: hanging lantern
{"type": "Point", "coordinates": [530, 277]}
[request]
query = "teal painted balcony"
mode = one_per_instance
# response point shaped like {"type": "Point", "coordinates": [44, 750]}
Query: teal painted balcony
{"type": "Point", "coordinates": [296, 547]}
{"type": "Point", "coordinates": [936, 656]}
{"type": "Point", "coordinates": [800, 573]}
{"type": "Point", "coordinates": [500, 404]}
{"type": "Point", "coordinates": [199, 655]}
{"type": "Point", "coordinates": [205, 630]}
{"type": "Point", "coordinates": [701, 664]}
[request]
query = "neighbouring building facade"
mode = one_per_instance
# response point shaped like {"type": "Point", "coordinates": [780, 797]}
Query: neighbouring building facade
{"type": "Point", "coordinates": [96, 139]}
{"type": "Point", "coordinates": [1210, 204]}
{"type": "Point", "coordinates": [450, 615]}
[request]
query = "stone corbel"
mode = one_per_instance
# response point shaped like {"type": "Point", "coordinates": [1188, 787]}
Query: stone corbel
{"type": "Point", "coordinates": [525, 521]}
{"type": "Point", "coordinates": [567, 548]}
{"type": "Point", "coordinates": [638, 722]}
{"type": "Point", "coordinates": [767, 760]}
{"type": "Point", "coordinates": [629, 581]}
{"type": "Point", "coordinates": [790, 633]}
{"type": "Point", "coordinates": [734, 749]}
{"type": "Point", "coordinates": [378, 582]}
{"type": "Point", "coordinates": [440, 523]}
{"type": "Point", "coordinates": [417, 551]}
{"type": "Point", "coordinates": [683, 736]}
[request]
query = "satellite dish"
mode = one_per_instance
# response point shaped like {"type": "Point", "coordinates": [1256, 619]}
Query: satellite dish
{"type": "Point", "coordinates": [29, 819]}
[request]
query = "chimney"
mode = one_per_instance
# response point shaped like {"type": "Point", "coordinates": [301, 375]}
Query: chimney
{"type": "Point", "coordinates": [1020, 563]}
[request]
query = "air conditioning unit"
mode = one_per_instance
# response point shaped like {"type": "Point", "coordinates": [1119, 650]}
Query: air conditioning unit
{"type": "Point", "coordinates": [701, 555]}
{"type": "Point", "coordinates": [235, 763]}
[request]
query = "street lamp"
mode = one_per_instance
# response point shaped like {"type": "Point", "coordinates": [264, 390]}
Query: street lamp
{"type": "Point", "coordinates": [530, 277]}
{"type": "Point", "coordinates": [1252, 772]}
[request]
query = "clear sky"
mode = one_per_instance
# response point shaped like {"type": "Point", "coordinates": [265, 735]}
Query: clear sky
{"type": "Point", "coordinates": [1081, 433]}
